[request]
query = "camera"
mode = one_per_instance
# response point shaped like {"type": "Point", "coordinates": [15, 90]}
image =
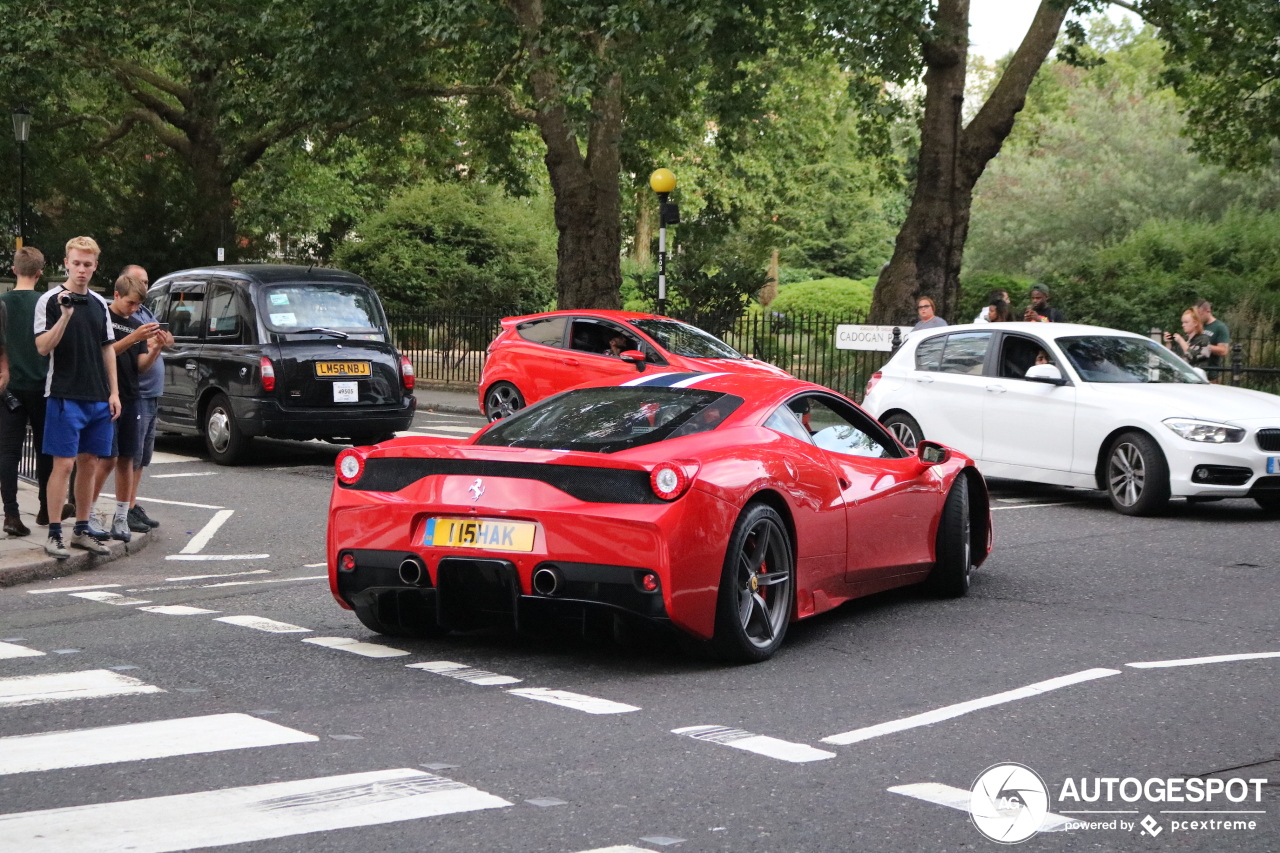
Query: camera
{"type": "Point", "coordinates": [73, 299]}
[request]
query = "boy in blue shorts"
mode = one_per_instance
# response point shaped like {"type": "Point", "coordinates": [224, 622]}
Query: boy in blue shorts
{"type": "Point", "coordinates": [81, 401]}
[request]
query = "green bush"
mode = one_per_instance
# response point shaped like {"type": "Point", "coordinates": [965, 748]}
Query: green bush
{"type": "Point", "coordinates": [463, 245]}
{"type": "Point", "coordinates": [834, 297]}
{"type": "Point", "coordinates": [975, 288]}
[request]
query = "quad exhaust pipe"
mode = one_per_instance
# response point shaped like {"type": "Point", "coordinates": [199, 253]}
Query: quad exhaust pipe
{"type": "Point", "coordinates": [413, 572]}
{"type": "Point", "coordinates": [547, 580]}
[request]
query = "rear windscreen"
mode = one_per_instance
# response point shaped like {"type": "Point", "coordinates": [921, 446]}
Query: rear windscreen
{"type": "Point", "coordinates": [606, 420]}
{"type": "Point", "coordinates": [303, 307]}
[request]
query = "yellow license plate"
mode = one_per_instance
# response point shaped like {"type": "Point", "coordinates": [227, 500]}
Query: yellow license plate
{"type": "Point", "coordinates": [485, 533]}
{"type": "Point", "coordinates": [343, 368]}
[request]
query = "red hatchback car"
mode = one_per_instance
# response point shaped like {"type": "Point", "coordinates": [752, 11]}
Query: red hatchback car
{"type": "Point", "coordinates": [538, 355]}
{"type": "Point", "coordinates": [721, 505]}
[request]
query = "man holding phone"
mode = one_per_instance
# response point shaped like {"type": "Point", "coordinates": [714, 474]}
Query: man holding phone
{"type": "Point", "coordinates": [150, 387]}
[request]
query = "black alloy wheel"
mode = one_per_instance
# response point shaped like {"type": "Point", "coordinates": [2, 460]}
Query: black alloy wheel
{"type": "Point", "coordinates": [1137, 475]}
{"type": "Point", "coordinates": [757, 587]}
{"type": "Point", "coordinates": [905, 429]}
{"type": "Point", "coordinates": [222, 436]}
{"type": "Point", "coordinates": [502, 400]}
{"type": "Point", "coordinates": [950, 575]}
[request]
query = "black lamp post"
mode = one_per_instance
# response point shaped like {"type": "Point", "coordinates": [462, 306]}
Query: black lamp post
{"type": "Point", "coordinates": [663, 182]}
{"type": "Point", "coordinates": [21, 130]}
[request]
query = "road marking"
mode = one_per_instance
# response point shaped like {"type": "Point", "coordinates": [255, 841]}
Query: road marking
{"type": "Point", "coordinates": [177, 610]}
{"type": "Point", "coordinates": [346, 644]}
{"type": "Point", "coordinates": [259, 623]}
{"type": "Point", "coordinates": [161, 458]}
{"type": "Point", "coordinates": [110, 598]}
{"type": "Point", "coordinates": [9, 650]}
{"type": "Point", "coordinates": [271, 580]}
{"type": "Point", "coordinates": [142, 741]}
{"type": "Point", "coordinates": [453, 429]}
{"type": "Point", "coordinates": [197, 543]}
{"type": "Point", "coordinates": [63, 686]}
{"type": "Point", "coordinates": [797, 753]}
{"type": "Point", "coordinates": [1157, 664]}
{"type": "Point", "coordinates": [576, 701]}
{"type": "Point", "coordinates": [930, 717]}
{"type": "Point", "coordinates": [239, 815]}
{"type": "Point", "coordinates": [190, 474]}
{"type": "Point", "coordinates": [314, 565]}
{"type": "Point", "coordinates": [209, 577]}
{"type": "Point", "coordinates": [203, 557]}
{"type": "Point", "coordinates": [72, 588]}
{"type": "Point", "coordinates": [462, 672]}
{"type": "Point", "coordinates": [1033, 506]}
{"type": "Point", "coordinates": [169, 503]}
{"type": "Point", "coordinates": [958, 798]}
{"type": "Point", "coordinates": [619, 848]}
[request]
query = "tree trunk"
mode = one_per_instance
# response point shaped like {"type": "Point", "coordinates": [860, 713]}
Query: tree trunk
{"type": "Point", "coordinates": [642, 251]}
{"type": "Point", "coordinates": [930, 246]}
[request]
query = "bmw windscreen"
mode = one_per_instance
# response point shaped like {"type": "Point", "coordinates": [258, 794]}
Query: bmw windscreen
{"type": "Point", "coordinates": [1099, 358]}
{"type": "Point", "coordinates": [606, 420]}
{"type": "Point", "coordinates": [685, 340]}
{"type": "Point", "coordinates": [322, 309]}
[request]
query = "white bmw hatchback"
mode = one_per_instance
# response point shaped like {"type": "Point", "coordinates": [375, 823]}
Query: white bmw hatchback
{"type": "Point", "coordinates": [1082, 406]}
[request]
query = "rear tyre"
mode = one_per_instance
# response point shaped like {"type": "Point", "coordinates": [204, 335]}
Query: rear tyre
{"type": "Point", "coordinates": [1137, 475]}
{"type": "Point", "coordinates": [222, 436]}
{"type": "Point", "coordinates": [502, 400]}
{"type": "Point", "coordinates": [950, 575]}
{"type": "Point", "coordinates": [757, 587]}
{"type": "Point", "coordinates": [905, 429]}
{"type": "Point", "coordinates": [400, 613]}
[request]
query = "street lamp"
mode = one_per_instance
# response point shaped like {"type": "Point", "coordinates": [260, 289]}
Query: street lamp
{"type": "Point", "coordinates": [21, 130]}
{"type": "Point", "coordinates": [663, 182]}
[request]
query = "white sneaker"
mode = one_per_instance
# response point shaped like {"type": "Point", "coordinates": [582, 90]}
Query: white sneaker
{"type": "Point", "coordinates": [120, 529]}
{"type": "Point", "coordinates": [90, 543]}
{"type": "Point", "coordinates": [54, 548]}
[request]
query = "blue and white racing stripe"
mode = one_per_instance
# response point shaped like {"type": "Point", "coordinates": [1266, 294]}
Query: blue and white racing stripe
{"type": "Point", "coordinates": [672, 380]}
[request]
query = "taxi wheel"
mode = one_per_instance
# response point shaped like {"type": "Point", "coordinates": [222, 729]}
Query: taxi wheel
{"type": "Point", "coordinates": [950, 575]}
{"type": "Point", "coordinates": [757, 587]}
{"type": "Point", "coordinates": [502, 400]}
{"type": "Point", "coordinates": [222, 435]}
{"type": "Point", "coordinates": [905, 429]}
{"type": "Point", "coordinates": [1137, 475]}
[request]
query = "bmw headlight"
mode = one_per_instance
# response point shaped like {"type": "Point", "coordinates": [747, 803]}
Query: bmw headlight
{"type": "Point", "coordinates": [1208, 432]}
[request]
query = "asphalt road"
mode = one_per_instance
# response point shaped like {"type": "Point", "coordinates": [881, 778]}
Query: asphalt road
{"type": "Point", "coordinates": [332, 750]}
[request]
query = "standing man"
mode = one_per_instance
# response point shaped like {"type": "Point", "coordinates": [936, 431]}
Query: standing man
{"type": "Point", "coordinates": [72, 324]}
{"type": "Point", "coordinates": [23, 371]}
{"type": "Point", "coordinates": [928, 319]}
{"type": "Point", "coordinates": [1040, 311]}
{"type": "Point", "coordinates": [150, 387]}
{"type": "Point", "coordinates": [1219, 336]}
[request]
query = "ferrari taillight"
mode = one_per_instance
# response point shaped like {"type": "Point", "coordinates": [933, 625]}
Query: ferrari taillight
{"type": "Point", "coordinates": [871, 383]}
{"type": "Point", "coordinates": [406, 372]}
{"type": "Point", "coordinates": [669, 481]}
{"type": "Point", "coordinates": [350, 465]}
{"type": "Point", "coordinates": [268, 372]}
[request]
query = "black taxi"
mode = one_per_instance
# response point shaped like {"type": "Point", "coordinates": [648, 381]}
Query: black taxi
{"type": "Point", "coordinates": [279, 351]}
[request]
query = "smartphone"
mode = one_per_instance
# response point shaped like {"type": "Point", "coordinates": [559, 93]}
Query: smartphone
{"type": "Point", "coordinates": [164, 327]}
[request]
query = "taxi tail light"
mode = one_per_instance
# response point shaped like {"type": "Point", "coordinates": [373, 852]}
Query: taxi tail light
{"type": "Point", "coordinates": [871, 383]}
{"type": "Point", "coordinates": [407, 375]}
{"type": "Point", "coordinates": [349, 465]}
{"type": "Point", "coordinates": [670, 480]}
{"type": "Point", "coordinates": [268, 371]}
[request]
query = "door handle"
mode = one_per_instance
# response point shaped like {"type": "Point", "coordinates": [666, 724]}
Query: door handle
{"type": "Point", "coordinates": [190, 365]}
{"type": "Point", "coordinates": [572, 362]}
{"type": "Point", "coordinates": [996, 389]}
{"type": "Point", "coordinates": [924, 378]}
{"type": "Point", "coordinates": [844, 484]}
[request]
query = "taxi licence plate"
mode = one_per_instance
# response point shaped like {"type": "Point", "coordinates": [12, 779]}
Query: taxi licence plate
{"type": "Point", "coordinates": [489, 534]}
{"type": "Point", "coordinates": [327, 369]}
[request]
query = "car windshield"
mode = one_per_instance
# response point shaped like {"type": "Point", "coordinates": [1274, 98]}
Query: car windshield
{"type": "Point", "coordinates": [685, 340]}
{"type": "Point", "coordinates": [1098, 358]}
{"type": "Point", "coordinates": [315, 307]}
{"type": "Point", "coordinates": [606, 420]}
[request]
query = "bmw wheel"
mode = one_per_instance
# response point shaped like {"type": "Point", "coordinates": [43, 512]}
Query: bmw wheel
{"type": "Point", "coordinates": [1137, 475]}
{"type": "Point", "coordinates": [905, 429]}
{"type": "Point", "coordinates": [502, 400]}
{"type": "Point", "coordinates": [757, 587]}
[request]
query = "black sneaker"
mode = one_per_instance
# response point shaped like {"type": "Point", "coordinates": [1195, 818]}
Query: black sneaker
{"type": "Point", "coordinates": [136, 524]}
{"type": "Point", "coordinates": [143, 517]}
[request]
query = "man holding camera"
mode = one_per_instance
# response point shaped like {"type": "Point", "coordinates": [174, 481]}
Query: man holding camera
{"type": "Point", "coordinates": [72, 325]}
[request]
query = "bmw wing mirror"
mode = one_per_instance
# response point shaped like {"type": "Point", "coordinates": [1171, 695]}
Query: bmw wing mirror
{"type": "Point", "coordinates": [633, 356]}
{"type": "Point", "coordinates": [1047, 373]}
{"type": "Point", "coordinates": [932, 453]}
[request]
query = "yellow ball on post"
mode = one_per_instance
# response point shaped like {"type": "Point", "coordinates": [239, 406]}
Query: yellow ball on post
{"type": "Point", "coordinates": [662, 181]}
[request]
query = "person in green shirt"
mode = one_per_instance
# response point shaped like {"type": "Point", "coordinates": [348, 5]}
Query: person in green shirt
{"type": "Point", "coordinates": [23, 374]}
{"type": "Point", "coordinates": [1219, 337]}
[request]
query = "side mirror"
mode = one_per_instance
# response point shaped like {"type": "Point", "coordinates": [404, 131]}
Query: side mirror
{"type": "Point", "coordinates": [932, 453]}
{"type": "Point", "coordinates": [633, 356]}
{"type": "Point", "coordinates": [1047, 373]}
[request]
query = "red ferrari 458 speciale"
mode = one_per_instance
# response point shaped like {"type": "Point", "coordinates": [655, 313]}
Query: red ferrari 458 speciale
{"type": "Point", "coordinates": [722, 505]}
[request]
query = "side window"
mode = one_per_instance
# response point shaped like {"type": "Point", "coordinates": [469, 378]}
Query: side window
{"type": "Point", "coordinates": [787, 422]}
{"type": "Point", "coordinates": [842, 429]}
{"type": "Point", "coordinates": [1018, 354]}
{"type": "Point", "coordinates": [929, 353]}
{"type": "Point", "coordinates": [594, 336]}
{"type": "Point", "coordinates": [157, 302]}
{"type": "Point", "coordinates": [549, 332]}
{"type": "Point", "coordinates": [186, 309]}
{"type": "Point", "coordinates": [223, 324]}
{"type": "Point", "coordinates": [965, 352]}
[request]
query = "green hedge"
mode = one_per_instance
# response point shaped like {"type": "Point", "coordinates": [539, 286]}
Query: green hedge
{"type": "Point", "coordinates": [834, 297]}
